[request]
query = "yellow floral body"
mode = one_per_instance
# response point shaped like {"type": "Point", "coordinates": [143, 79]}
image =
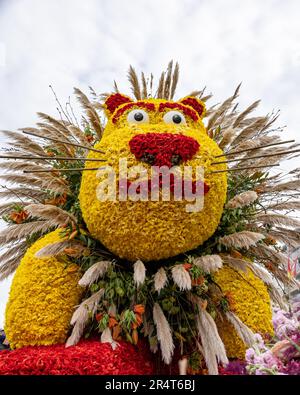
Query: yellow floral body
{"type": "Point", "coordinates": [43, 294]}
{"type": "Point", "coordinates": [151, 230]}
{"type": "Point", "coordinates": [251, 303]}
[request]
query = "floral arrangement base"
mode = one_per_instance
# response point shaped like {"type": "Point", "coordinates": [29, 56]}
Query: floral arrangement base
{"type": "Point", "coordinates": [88, 357]}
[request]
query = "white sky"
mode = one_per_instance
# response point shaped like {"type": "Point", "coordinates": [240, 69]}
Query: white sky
{"type": "Point", "coordinates": [218, 43]}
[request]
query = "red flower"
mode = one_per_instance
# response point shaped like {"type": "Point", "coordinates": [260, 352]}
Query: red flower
{"type": "Point", "coordinates": [88, 357]}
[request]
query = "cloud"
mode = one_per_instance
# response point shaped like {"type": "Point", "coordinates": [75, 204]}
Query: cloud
{"type": "Point", "coordinates": [80, 43]}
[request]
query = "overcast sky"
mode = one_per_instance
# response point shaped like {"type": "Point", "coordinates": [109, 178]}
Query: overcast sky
{"type": "Point", "coordinates": [218, 43]}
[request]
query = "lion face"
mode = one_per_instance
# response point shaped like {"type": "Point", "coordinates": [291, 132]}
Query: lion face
{"type": "Point", "coordinates": [153, 132]}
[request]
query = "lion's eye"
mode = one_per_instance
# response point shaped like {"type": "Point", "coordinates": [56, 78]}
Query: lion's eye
{"type": "Point", "coordinates": [174, 117]}
{"type": "Point", "coordinates": [138, 116]}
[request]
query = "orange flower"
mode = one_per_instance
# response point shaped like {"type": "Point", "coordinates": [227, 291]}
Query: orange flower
{"type": "Point", "coordinates": [73, 235]}
{"type": "Point", "coordinates": [139, 308]}
{"type": "Point", "coordinates": [99, 316]}
{"type": "Point", "coordinates": [270, 241]}
{"type": "Point", "coordinates": [58, 201]}
{"type": "Point", "coordinates": [135, 336]}
{"type": "Point", "coordinates": [134, 325]}
{"type": "Point", "coordinates": [198, 281]}
{"type": "Point", "coordinates": [116, 332]}
{"type": "Point", "coordinates": [236, 254]}
{"type": "Point", "coordinates": [112, 322]}
{"type": "Point", "coordinates": [138, 321]}
{"type": "Point", "coordinates": [89, 138]}
{"type": "Point", "coordinates": [230, 299]}
{"type": "Point", "coordinates": [19, 216]}
{"type": "Point", "coordinates": [187, 266]}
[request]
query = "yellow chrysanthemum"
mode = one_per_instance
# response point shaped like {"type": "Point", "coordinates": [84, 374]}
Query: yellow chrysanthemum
{"type": "Point", "coordinates": [151, 230]}
{"type": "Point", "coordinates": [251, 303]}
{"type": "Point", "coordinates": [42, 298]}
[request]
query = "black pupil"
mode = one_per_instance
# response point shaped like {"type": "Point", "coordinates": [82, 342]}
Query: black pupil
{"type": "Point", "coordinates": [138, 116]}
{"type": "Point", "coordinates": [176, 118]}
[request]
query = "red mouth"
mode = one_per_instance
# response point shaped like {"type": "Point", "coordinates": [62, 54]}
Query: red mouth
{"type": "Point", "coordinates": [163, 149]}
{"type": "Point", "coordinates": [187, 188]}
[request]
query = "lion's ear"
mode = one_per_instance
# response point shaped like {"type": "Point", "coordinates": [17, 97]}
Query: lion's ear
{"type": "Point", "coordinates": [114, 101]}
{"type": "Point", "coordinates": [197, 104]}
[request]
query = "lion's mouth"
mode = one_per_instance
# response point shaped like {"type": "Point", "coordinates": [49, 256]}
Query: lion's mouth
{"type": "Point", "coordinates": [184, 189]}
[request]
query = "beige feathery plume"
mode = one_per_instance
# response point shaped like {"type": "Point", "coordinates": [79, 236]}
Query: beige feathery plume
{"type": "Point", "coordinates": [209, 263]}
{"type": "Point", "coordinates": [96, 271]}
{"type": "Point", "coordinates": [164, 334]}
{"type": "Point", "coordinates": [255, 143]}
{"type": "Point", "coordinates": [227, 137]}
{"type": "Point", "coordinates": [242, 200]}
{"type": "Point", "coordinates": [81, 316]}
{"type": "Point", "coordinates": [20, 165]}
{"type": "Point", "coordinates": [235, 263]}
{"type": "Point", "coordinates": [161, 85]}
{"type": "Point", "coordinates": [212, 346]}
{"type": "Point", "coordinates": [243, 114]}
{"type": "Point", "coordinates": [78, 134]}
{"type": "Point", "coordinates": [30, 193]}
{"type": "Point", "coordinates": [249, 131]}
{"type": "Point", "coordinates": [139, 274]}
{"type": "Point", "coordinates": [278, 298]}
{"type": "Point", "coordinates": [277, 219]}
{"type": "Point", "coordinates": [21, 142]}
{"type": "Point", "coordinates": [262, 273]}
{"type": "Point", "coordinates": [244, 239]}
{"type": "Point", "coordinates": [17, 232]}
{"type": "Point", "coordinates": [134, 82]}
{"type": "Point", "coordinates": [288, 205]}
{"type": "Point", "coordinates": [144, 84]}
{"type": "Point", "coordinates": [286, 186]}
{"type": "Point", "coordinates": [174, 81]}
{"type": "Point", "coordinates": [160, 279]}
{"type": "Point", "coordinates": [106, 337]}
{"type": "Point", "coordinates": [53, 184]}
{"type": "Point", "coordinates": [245, 333]}
{"type": "Point", "coordinates": [90, 112]}
{"type": "Point", "coordinates": [53, 214]}
{"type": "Point", "coordinates": [221, 109]}
{"type": "Point", "coordinates": [11, 258]}
{"type": "Point", "coordinates": [56, 249]}
{"type": "Point", "coordinates": [181, 277]}
{"type": "Point", "coordinates": [167, 86]}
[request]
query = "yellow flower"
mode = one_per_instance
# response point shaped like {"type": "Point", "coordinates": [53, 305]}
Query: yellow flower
{"type": "Point", "coordinates": [42, 298]}
{"type": "Point", "coordinates": [251, 304]}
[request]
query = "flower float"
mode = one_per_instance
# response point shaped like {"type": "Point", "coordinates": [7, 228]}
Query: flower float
{"type": "Point", "coordinates": [193, 281]}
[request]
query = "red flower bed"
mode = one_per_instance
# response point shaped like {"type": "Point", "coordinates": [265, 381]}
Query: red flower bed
{"type": "Point", "coordinates": [88, 357]}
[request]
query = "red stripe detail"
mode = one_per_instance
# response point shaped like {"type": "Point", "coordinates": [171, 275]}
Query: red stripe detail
{"type": "Point", "coordinates": [186, 110]}
{"type": "Point", "coordinates": [141, 104]}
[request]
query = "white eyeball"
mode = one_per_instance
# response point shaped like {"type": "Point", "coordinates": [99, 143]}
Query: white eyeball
{"type": "Point", "coordinates": [174, 117]}
{"type": "Point", "coordinates": [138, 116]}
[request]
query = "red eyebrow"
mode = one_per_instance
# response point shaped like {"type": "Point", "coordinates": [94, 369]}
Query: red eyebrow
{"type": "Point", "coordinates": [142, 104]}
{"type": "Point", "coordinates": [186, 110]}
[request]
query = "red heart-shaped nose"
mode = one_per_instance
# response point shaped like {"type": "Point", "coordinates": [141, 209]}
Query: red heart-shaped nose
{"type": "Point", "coordinates": [163, 149]}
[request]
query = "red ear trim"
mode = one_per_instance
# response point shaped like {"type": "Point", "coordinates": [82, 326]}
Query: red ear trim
{"type": "Point", "coordinates": [116, 100]}
{"type": "Point", "coordinates": [196, 104]}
